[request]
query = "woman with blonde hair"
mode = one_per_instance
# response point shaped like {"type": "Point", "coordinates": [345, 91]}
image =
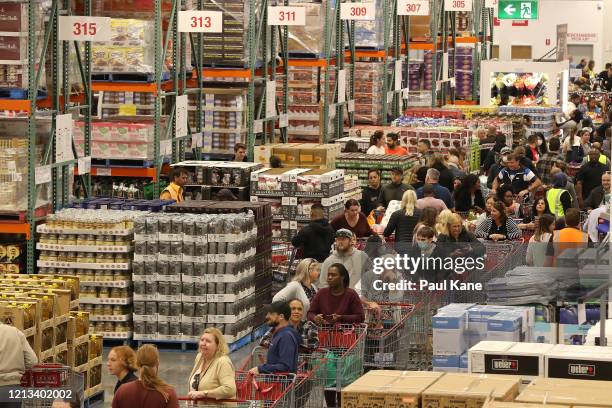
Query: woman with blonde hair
{"type": "Point", "coordinates": [213, 374]}
{"type": "Point", "coordinates": [442, 222]}
{"type": "Point", "coordinates": [403, 221]}
{"type": "Point", "coordinates": [122, 364]}
{"type": "Point", "coordinates": [302, 286]}
{"type": "Point", "coordinates": [150, 391]}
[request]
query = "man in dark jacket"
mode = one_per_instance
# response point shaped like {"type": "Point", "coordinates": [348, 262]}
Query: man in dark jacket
{"type": "Point", "coordinates": [394, 190]}
{"type": "Point", "coordinates": [440, 192]}
{"type": "Point", "coordinates": [600, 195]}
{"type": "Point", "coordinates": [283, 351]}
{"type": "Point", "coordinates": [317, 237]}
{"type": "Point", "coordinates": [371, 193]}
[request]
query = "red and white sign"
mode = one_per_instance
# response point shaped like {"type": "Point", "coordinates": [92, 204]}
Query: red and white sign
{"type": "Point", "coordinates": [582, 37]}
{"type": "Point", "coordinates": [457, 5]}
{"type": "Point", "coordinates": [357, 11]}
{"type": "Point", "coordinates": [286, 16]}
{"type": "Point", "coordinates": [81, 28]}
{"type": "Point", "coordinates": [194, 21]}
{"type": "Point", "coordinates": [496, 22]}
{"type": "Point", "coordinates": [520, 23]}
{"type": "Point", "coordinates": [413, 8]}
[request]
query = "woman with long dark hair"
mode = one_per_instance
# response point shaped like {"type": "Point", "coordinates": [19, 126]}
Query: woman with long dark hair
{"type": "Point", "coordinates": [539, 208]}
{"type": "Point", "coordinates": [377, 143]}
{"type": "Point", "coordinates": [353, 220]}
{"type": "Point", "coordinates": [469, 196]}
{"type": "Point", "coordinates": [498, 226]}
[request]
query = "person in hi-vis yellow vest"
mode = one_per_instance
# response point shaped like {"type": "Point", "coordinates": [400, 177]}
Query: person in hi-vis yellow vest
{"type": "Point", "coordinates": [178, 178]}
{"type": "Point", "coordinates": [558, 198]}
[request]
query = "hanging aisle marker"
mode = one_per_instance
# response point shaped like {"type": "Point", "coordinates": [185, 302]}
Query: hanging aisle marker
{"type": "Point", "coordinates": [42, 175]}
{"type": "Point", "coordinates": [182, 103]}
{"type": "Point", "coordinates": [457, 5]}
{"type": "Point", "coordinates": [196, 21]}
{"type": "Point", "coordinates": [196, 140]}
{"type": "Point", "coordinates": [270, 99]}
{"type": "Point", "coordinates": [63, 138]}
{"type": "Point", "coordinates": [342, 85]}
{"type": "Point", "coordinates": [82, 28]}
{"type": "Point", "coordinates": [491, 3]}
{"type": "Point", "coordinates": [286, 16]}
{"type": "Point", "coordinates": [398, 75]}
{"type": "Point", "coordinates": [413, 8]}
{"type": "Point", "coordinates": [84, 165]}
{"type": "Point", "coordinates": [357, 11]}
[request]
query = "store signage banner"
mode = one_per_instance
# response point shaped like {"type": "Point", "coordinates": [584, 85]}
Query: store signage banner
{"type": "Point", "coordinates": [413, 8]}
{"type": "Point", "coordinates": [582, 37]}
{"type": "Point", "coordinates": [196, 21]}
{"type": "Point", "coordinates": [81, 28]}
{"type": "Point", "coordinates": [357, 11]}
{"type": "Point", "coordinates": [518, 10]}
{"type": "Point", "coordinates": [270, 99]}
{"type": "Point", "coordinates": [457, 5]}
{"type": "Point", "coordinates": [286, 16]}
{"type": "Point", "coordinates": [561, 42]}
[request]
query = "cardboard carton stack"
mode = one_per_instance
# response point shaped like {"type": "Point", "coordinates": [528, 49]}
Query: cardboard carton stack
{"type": "Point", "coordinates": [306, 155]}
{"type": "Point", "coordinates": [87, 360]}
{"type": "Point", "coordinates": [574, 393]}
{"type": "Point", "coordinates": [40, 306]}
{"type": "Point", "coordinates": [414, 389]}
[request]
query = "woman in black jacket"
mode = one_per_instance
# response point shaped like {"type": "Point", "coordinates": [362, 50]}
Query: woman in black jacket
{"type": "Point", "coordinates": [468, 195]}
{"type": "Point", "coordinates": [459, 242]}
{"type": "Point", "coordinates": [402, 223]}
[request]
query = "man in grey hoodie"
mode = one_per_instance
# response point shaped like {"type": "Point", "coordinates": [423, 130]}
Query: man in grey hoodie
{"type": "Point", "coordinates": [16, 356]}
{"type": "Point", "coordinates": [354, 260]}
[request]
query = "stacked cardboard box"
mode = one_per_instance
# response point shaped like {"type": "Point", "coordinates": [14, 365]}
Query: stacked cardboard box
{"type": "Point", "coordinates": [87, 355]}
{"type": "Point", "coordinates": [359, 163]}
{"type": "Point", "coordinates": [574, 393]}
{"type": "Point", "coordinates": [414, 389]}
{"type": "Point", "coordinates": [307, 155]}
{"type": "Point", "coordinates": [40, 306]}
{"type": "Point", "coordinates": [369, 91]}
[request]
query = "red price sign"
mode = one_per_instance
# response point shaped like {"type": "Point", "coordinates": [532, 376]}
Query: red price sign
{"type": "Point", "coordinates": [286, 16]}
{"type": "Point", "coordinates": [413, 7]}
{"type": "Point", "coordinates": [194, 21]}
{"type": "Point", "coordinates": [357, 11]}
{"type": "Point", "coordinates": [81, 28]}
{"type": "Point", "coordinates": [458, 5]}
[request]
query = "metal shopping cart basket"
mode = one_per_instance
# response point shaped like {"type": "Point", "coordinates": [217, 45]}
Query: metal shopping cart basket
{"type": "Point", "coordinates": [388, 339]}
{"type": "Point", "coordinates": [284, 262]}
{"type": "Point", "coordinates": [344, 347]}
{"type": "Point", "coordinates": [254, 391]}
{"type": "Point", "coordinates": [310, 378]}
{"type": "Point", "coordinates": [46, 384]}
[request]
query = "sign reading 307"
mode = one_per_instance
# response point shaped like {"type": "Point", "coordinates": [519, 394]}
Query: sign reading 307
{"type": "Point", "coordinates": [413, 7]}
{"type": "Point", "coordinates": [82, 28]}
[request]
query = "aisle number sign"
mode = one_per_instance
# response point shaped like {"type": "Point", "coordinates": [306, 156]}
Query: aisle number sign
{"type": "Point", "coordinates": [82, 28]}
{"type": "Point", "coordinates": [286, 16]}
{"type": "Point", "coordinates": [413, 8]}
{"type": "Point", "coordinates": [196, 21]}
{"type": "Point", "coordinates": [457, 5]}
{"type": "Point", "coordinates": [518, 10]}
{"type": "Point", "coordinates": [357, 11]}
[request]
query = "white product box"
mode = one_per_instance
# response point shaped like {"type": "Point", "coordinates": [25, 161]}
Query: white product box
{"type": "Point", "coordinates": [478, 316]}
{"type": "Point", "coordinates": [477, 354]}
{"type": "Point", "coordinates": [505, 326]}
{"type": "Point", "coordinates": [449, 332]}
{"type": "Point", "coordinates": [579, 362]}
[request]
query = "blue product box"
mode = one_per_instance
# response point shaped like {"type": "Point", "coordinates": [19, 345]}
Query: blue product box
{"type": "Point", "coordinates": [449, 332]}
{"type": "Point", "coordinates": [505, 326]}
{"type": "Point", "coordinates": [446, 363]}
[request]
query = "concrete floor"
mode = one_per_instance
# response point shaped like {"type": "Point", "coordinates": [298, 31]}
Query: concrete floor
{"type": "Point", "coordinates": [175, 367]}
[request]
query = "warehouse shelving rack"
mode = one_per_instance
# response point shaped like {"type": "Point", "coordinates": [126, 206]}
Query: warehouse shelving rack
{"type": "Point", "coordinates": [60, 101]}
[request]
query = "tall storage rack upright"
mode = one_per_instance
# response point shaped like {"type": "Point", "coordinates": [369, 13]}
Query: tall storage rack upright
{"type": "Point", "coordinates": [37, 110]}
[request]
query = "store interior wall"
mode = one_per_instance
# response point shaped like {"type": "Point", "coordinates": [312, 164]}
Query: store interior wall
{"type": "Point", "coordinates": [583, 17]}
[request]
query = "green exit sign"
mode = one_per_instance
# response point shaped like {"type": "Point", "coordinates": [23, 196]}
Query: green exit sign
{"type": "Point", "coordinates": [518, 9]}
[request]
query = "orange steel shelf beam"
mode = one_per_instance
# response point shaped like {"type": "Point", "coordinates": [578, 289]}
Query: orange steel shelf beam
{"type": "Point", "coordinates": [15, 228]}
{"type": "Point", "coordinates": [148, 172]}
{"type": "Point", "coordinates": [308, 63]}
{"type": "Point", "coordinates": [124, 87]}
{"type": "Point", "coordinates": [15, 104]}
{"type": "Point", "coordinates": [48, 102]}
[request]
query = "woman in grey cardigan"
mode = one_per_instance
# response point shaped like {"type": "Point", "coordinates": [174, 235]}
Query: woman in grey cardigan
{"type": "Point", "coordinates": [302, 286]}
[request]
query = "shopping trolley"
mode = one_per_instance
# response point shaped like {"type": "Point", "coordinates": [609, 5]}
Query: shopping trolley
{"type": "Point", "coordinates": [284, 262]}
{"type": "Point", "coordinates": [343, 346]}
{"type": "Point", "coordinates": [46, 384]}
{"type": "Point", "coordinates": [310, 379]}
{"type": "Point", "coordinates": [387, 341]}
{"type": "Point", "coordinates": [261, 391]}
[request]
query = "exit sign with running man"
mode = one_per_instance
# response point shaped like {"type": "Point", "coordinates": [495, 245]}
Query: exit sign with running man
{"type": "Point", "coordinates": [518, 10]}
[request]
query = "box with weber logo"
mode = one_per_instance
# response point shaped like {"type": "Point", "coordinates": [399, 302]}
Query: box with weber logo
{"type": "Point", "coordinates": [524, 359]}
{"type": "Point", "coordinates": [579, 362]}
